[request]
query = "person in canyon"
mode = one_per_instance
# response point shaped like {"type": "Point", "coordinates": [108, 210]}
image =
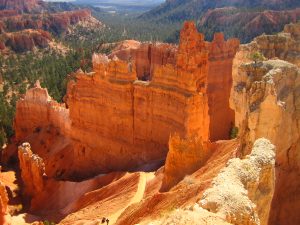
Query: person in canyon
{"type": "Point", "coordinates": [105, 220]}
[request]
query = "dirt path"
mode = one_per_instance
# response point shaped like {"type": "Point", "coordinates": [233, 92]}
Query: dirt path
{"type": "Point", "coordinates": [136, 198]}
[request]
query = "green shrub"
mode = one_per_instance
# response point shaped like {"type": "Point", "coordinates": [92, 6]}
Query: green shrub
{"type": "Point", "coordinates": [46, 222]}
{"type": "Point", "coordinates": [257, 57]}
{"type": "Point", "coordinates": [234, 132]}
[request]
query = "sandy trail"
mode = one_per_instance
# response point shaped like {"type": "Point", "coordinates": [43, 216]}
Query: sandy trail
{"type": "Point", "coordinates": [137, 197]}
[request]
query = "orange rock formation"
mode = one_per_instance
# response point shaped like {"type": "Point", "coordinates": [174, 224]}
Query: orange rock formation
{"type": "Point", "coordinates": [4, 214]}
{"type": "Point", "coordinates": [62, 198]}
{"type": "Point", "coordinates": [240, 194]}
{"type": "Point", "coordinates": [146, 56]}
{"type": "Point", "coordinates": [32, 170]}
{"type": "Point", "coordinates": [184, 157]}
{"type": "Point", "coordinates": [127, 120]}
{"type": "Point", "coordinates": [151, 58]}
{"type": "Point", "coordinates": [221, 54]}
{"type": "Point", "coordinates": [23, 32]}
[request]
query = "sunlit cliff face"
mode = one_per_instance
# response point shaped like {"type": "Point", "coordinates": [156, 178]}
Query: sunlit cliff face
{"type": "Point", "coordinates": [139, 124]}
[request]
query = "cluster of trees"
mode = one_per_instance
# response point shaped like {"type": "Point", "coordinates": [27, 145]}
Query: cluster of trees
{"type": "Point", "coordinates": [7, 110]}
{"type": "Point", "coordinates": [20, 72]}
{"type": "Point", "coordinates": [129, 26]}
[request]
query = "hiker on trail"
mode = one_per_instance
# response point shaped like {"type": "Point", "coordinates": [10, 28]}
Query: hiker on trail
{"type": "Point", "coordinates": [103, 220]}
{"type": "Point", "coordinates": [107, 221]}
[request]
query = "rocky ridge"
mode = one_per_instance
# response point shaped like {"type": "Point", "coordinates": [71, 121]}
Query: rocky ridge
{"type": "Point", "coordinates": [240, 194]}
{"type": "Point", "coordinates": [146, 56]}
{"type": "Point", "coordinates": [246, 24]}
{"type": "Point", "coordinates": [32, 170]}
{"type": "Point", "coordinates": [25, 32]}
{"type": "Point", "coordinates": [192, 151]}
{"type": "Point", "coordinates": [176, 10]}
{"type": "Point", "coordinates": [20, 5]}
{"type": "Point", "coordinates": [27, 40]}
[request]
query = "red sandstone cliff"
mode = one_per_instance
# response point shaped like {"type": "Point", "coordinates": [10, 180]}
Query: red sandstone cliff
{"type": "Point", "coordinates": [184, 158]}
{"type": "Point", "coordinates": [24, 32]}
{"type": "Point", "coordinates": [4, 214]}
{"type": "Point", "coordinates": [150, 58]}
{"type": "Point", "coordinates": [247, 24]}
{"type": "Point", "coordinates": [2, 46]}
{"type": "Point", "coordinates": [8, 13]}
{"type": "Point", "coordinates": [146, 56]}
{"type": "Point", "coordinates": [56, 22]}
{"type": "Point", "coordinates": [27, 40]}
{"type": "Point", "coordinates": [20, 5]}
{"type": "Point", "coordinates": [32, 171]}
{"type": "Point", "coordinates": [221, 54]}
{"type": "Point", "coordinates": [130, 121]}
